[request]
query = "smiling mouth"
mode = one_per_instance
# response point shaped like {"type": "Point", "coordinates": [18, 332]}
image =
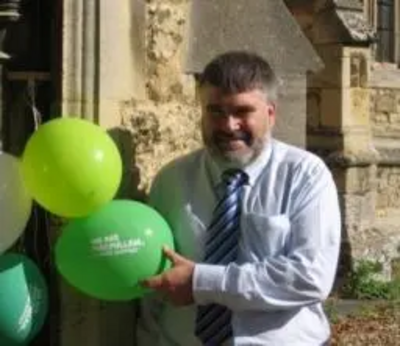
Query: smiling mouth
{"type": "Point", "coordinates": [231, 144]}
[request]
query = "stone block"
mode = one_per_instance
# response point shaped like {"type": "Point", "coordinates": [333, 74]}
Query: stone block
{"type": "Point", "coordinates": [359, 211]}
{"type": "Point", "coordinates": [398, 99]}
{"type": "Point", "coordinates": [389, 152]}
{"type": "Point", "coordinates": [360, 180]}
{"type": "Point", "coordinates": [331, 108]}
{"type": "Point", "coordinates": [358, 114]}
{"type": "Point", "coordinates": [348, 51]}
{"type": "Point", "coordinates": [357, 141]}
{"type": "Point", "coordinates": [394, 119]}
{"type": "Point", "coordinates": [385, 78]}
{"type": "Point", "coordinates": [380, 119]}
{"type": "Point", "coordinates": [386, 101]}
{"type": "Point", "coordinates": [388, 182]}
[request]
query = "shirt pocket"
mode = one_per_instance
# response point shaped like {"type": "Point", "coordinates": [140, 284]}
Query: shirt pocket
{"type": "Point", "coordinates": [263, 236]}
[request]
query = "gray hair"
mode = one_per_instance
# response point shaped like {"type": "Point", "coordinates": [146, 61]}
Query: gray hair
{"type": "Point", "coordinates": [241, 71]}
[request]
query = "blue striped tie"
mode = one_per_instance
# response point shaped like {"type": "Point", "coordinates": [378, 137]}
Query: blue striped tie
{"type": "Point", "coordinates": [213, 322]}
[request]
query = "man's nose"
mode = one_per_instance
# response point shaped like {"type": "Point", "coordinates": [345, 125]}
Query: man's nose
{"type": "Point", "coordinates": [229, 123]}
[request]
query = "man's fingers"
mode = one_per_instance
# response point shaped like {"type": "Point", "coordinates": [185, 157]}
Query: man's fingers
{"type": "Point", "coordinates": [173, 256]}
{"type": "Point", "coordinates": [155, 282]}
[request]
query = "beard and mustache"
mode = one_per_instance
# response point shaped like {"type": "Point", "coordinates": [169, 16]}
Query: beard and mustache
{"type": "Point", "coordinates": [221, 137]}
{"type": "Point", "coordinates": [218, 144]}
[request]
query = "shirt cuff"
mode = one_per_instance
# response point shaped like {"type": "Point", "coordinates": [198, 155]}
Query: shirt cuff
{"type": "Point", "coordinates": [207, 283]}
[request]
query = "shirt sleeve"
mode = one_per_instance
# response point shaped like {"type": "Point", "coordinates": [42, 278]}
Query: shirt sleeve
{"type": "Point", "coordinates": [304, 276]}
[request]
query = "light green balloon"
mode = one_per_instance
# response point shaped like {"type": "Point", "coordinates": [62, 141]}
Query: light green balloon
{"type": "Point", "coordinates": [106, 254]}
{"type": "Point", "coordinates": [23, 300]}
{"type": "Point", "coordinates": [71, 167]}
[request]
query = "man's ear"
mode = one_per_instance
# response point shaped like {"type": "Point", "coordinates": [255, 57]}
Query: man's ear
{"type": "Point", "coordinates": [271, 113]}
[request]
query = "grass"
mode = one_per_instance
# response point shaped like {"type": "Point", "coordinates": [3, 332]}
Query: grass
{"type": "Point", "coordinates": [375, 318]}
{"type": "Point", "coordinates": [363, 284]}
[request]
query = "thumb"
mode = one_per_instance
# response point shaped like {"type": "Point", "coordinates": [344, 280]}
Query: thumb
{"type": "Point", "coordinates": [173, 256]}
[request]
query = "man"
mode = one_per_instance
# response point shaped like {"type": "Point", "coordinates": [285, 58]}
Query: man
{"type": "Point", "coordinates": [256, 224]}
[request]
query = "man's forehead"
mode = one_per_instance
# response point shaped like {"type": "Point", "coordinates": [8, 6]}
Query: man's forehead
{"type": "Point", "coordinates": [210, 92]}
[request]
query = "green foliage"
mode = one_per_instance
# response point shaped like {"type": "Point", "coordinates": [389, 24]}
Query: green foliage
{"type": "Point", "coordinates": [362, 283]}
{"type": "Point", "coordinates": [331, 311]}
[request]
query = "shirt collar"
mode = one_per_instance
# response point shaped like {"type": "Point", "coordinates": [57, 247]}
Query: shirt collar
{"type": "Point", "coordinates": [253, 170]}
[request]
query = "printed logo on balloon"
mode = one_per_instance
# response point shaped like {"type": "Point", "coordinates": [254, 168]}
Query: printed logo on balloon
{"type": "Point", "coordinates": [107, 253]}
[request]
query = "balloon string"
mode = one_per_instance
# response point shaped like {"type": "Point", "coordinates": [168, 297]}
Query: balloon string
{"type": "Point", "coordinates": [31, 89]}
{"type": "Point", "coordinates": [37, 120]}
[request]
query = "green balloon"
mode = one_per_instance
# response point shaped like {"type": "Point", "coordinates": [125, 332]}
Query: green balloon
{"type": "Point", "coordinates": [23, 300]}
{"type": "Point", "coordinates": [106, 254]}
{"type": "Point", "coordinates": [71, 167]}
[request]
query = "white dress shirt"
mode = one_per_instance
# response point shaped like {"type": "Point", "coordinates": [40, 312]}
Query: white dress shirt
{"type": "Point", "coordinates": [288, 250]}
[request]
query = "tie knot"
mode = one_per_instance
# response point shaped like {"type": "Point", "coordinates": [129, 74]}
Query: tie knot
{"type": "Point", "coordinates": [234, 177]}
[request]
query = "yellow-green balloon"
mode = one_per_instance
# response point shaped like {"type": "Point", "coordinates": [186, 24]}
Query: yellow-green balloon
{"type": "Point", "coordinates": [71, 167]}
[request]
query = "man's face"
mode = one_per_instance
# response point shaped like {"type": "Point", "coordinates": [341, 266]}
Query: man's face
{"type": "Point", "coordinates": [235, 127]}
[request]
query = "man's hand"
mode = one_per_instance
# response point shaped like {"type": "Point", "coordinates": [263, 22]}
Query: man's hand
{"type": "Point", "coordinates": [176, 283]}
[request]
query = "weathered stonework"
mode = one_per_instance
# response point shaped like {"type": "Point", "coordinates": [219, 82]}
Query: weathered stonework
{"type": "Point", "coordinates": [385, 124]}
{"type": "Point", "coordinates": [160, 132]}
{"type": "Point", "coordinates": [388, 190]}
{"type": "Point", "coordinates": [353, 122]}
{"type": "Point", "coordinates": [165, 24]}
{"type": "Point", "coordinates": [165, 123]}
{"type": "Point", "coordinates": [385, 111]}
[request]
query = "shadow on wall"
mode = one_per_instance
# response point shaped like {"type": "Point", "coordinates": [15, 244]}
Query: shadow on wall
{"type": "Point", "coordinates": [346, 263]}
{"type": "Point", "coordinates": [129, 188]}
